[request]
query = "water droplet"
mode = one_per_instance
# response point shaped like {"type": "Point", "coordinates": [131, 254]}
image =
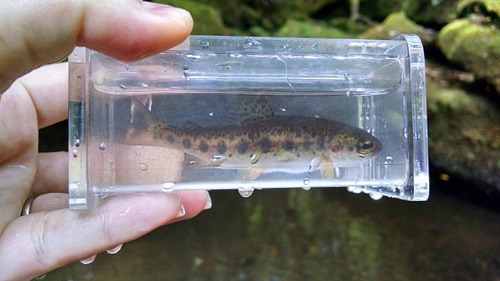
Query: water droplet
{"type": "Point", "coordinates": [88, 260]}
{"type": "Point", "coordinates": [314, 165]}
{"type": "Point", "coordinates": [245, 192]}
{"type": "Point", "coordinates": [286, 46]}
{"type": "Point", "coordinates": [283, 108]}
{"type": "Point", "coordinates": [102, 146]}
{"type": "Point", "coordinates": [114, 250]}
{"type": "Point", "coordinates": [354, 189]}
{"type": "Point", "coordinates": [191, 163]}
{"type": "Point", "coordinates": [306, 184]}
{"type": "Point", "coordinates": [77, 143]}
{"type": "Point", "coordinates": [388, 160]}
{"type": "Point", "coordinates": [375, 196]}
{"type": "Point", "coordinates": [122, 86]}
{"type": "Point", "coordinates": [252, 43]}
{"type": "Point", "coordinates": [235, 55]}
{"type": "Point", "coordinates": [348, 93]}
{"type": "Point", "coordinates": [254, 158]}
{"type": "Point", "coordinates": [316, 116]}
{"type": "Point", "coordinates": [217, 160]}
{"type": "Point", "coordinates": [167, 186]}
{"type": "Point", "coordinates": [314, 46]}
{"type": "Point", "coordinates": [193, 56]}
{"type": "Point", "coordinates": [211, 113]}
{"type": "Point", "coordinates": [204, 44]}
{"type": "Point", "coordinates": [75, 152]}
{"type": "Point", "coordinates": [143, 166]}
{"type": "Point", "coordinates": [144, 85]}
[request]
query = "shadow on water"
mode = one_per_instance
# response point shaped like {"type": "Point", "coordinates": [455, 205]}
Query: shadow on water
{"type": "Point", "coordinates": [321, 234]}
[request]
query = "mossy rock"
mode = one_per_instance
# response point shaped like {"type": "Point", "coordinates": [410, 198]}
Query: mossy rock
{"type": "Point", "coordinates": [309, 29]}
{"type": "Point", "coordinates": [486, 6]}
{"type": "Point", "coordinates": [475, 47]}
{"type": "Point", "coordinates": [207, 19]}
{"type": "Point", "coordinates": [434, 13]}
{"type": "Point", "coordinates": [395, 24]}
{"type": "Point", "coordinates": [464, 135]}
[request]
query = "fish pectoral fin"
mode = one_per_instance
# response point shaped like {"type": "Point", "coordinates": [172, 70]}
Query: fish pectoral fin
{"type": "Point", "coordinates": [286, 156]}
{"type": "Point", "coordinates": [326, 169]}
{"type": "Point", "coordinates": [251, 174]}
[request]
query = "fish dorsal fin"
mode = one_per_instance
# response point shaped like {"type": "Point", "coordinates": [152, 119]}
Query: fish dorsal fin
{"type": "Point", "coordinates": [249, 108]}
{"type": "Point", "coordinates": [140, 116]}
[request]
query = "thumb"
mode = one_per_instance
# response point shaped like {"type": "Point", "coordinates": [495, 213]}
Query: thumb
{"type": "Point", "coordinates": [34, 33]}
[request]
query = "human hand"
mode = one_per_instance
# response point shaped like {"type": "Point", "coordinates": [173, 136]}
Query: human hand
{"type": "Point", "coordinates": [34, 33]}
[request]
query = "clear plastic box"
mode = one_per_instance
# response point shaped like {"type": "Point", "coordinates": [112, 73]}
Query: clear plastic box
{"type": "Point", "coordinates": [250, 113]}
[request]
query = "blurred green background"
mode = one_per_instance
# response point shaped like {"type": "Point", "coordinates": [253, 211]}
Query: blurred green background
{"type": "Point", "coordinates": [330, 234]}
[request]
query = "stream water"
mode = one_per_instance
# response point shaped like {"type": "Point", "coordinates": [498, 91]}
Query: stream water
{"type": "Point", "coordinates": [320, 234]}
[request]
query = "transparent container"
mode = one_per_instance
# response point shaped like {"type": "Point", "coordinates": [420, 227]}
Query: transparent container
{"type": "Point", "coordinates": [250, 113]}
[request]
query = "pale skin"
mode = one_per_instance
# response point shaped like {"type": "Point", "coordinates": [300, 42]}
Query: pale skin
{"type": "Point", "coordinates": [36, 33]}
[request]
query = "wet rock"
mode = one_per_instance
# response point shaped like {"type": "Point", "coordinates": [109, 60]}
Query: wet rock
{"type": "Point", "coordinates": [395, 24]}
{"type": "Point", "coordinates": [207, 19]}
{"type": "Point", "coordinates": [473, 46]}
{"type": "Point", "coordinates": [311, 29]}
{"type": "Point", "coordinates": [464, 135]}
{"type": "Point", "coordinates": [434, 13]}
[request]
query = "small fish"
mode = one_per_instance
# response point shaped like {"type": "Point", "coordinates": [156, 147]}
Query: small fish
{"type": "Point", "coordinates": [260, 140]}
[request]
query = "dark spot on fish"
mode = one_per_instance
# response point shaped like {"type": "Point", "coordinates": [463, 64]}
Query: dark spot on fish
{"type": "Point", "coordinates": [265, 145]}
{"type": "Point", "coordinates": [351, 148]}
{"type": "Point", "coordinates": [336, 148]}
{"type": "Point", "coordinates": [171, 138]}
{"type": "Point", "coordinates": [243, 147]}
{"type": "Point", "coordinates": [230, 155]}
{"type": "Point", "coordinates": [203, 147]}
{"type": "Point", "coordinates": [287, 145]}
{"type": "Point", "coordinates": [306, 145]}
{"type": "Point", "coordinates": [186, 143]}
{"type": "Point", "coordinates": [320, 144]}
{"type": "Point", "coordinates": [221, 147]}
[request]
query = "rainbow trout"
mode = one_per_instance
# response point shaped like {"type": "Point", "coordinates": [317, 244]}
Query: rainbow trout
{"type": "Point", "coordinates": [262, 142]}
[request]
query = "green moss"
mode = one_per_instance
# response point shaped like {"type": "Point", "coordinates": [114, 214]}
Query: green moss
{"type": "Point", "coordinates": [474, 47]}
{"type": "Point", "coordinates": [207, 19]}
{"type": "Point", "coordinates": [431, 12]}
{"type": "Point", "coordinates": [311, 29]}
{"type": "Point", "coordinates": [464, 135]}
{"type": "Point", "coordinates": [395, 24]}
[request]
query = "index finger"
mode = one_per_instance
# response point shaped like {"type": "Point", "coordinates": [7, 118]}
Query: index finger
{"type": "Point", "coordinates": [35, 33]}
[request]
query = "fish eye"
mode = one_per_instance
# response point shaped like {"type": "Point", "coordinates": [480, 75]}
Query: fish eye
{"type": "Point", "coordinates": [365, 147]}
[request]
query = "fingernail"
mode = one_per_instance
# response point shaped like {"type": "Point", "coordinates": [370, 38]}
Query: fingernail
{"type": "Point", "coordinates": [182, 211]}
{"type": "Point", "coordinates": [208, 205]}
{"type": "Point", "coordinates": [168, 11]}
